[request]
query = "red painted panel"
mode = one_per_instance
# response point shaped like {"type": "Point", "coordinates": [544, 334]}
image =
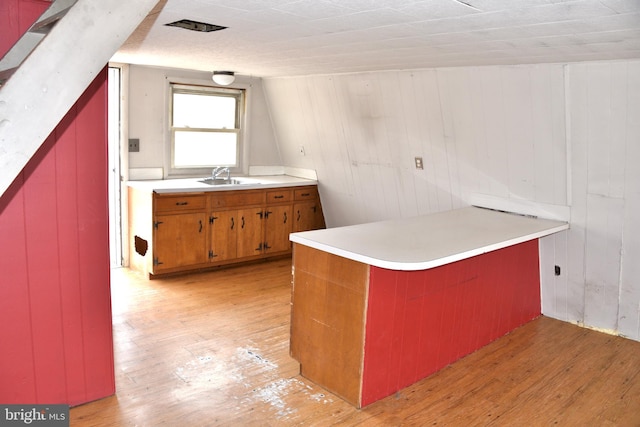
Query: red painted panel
{"type": "Point", "coordinates": [54, 290]}
{"type": "Point", "coordinates": [17, 362]}
{"type": "Point", "coordinates": [93, 239]}
{"type": "Point", "coordinates": [419, 322]}
{"type": "Point", "coordinates": [41, 235]}
{"type": "Point", "coordinates": [414, 286]}
{"type": "Point", "coordinates": [431, 324]}
{"type": "Point", "coordinates": [69, 253]}
{"type": "Point", "coordinates": [16, 17]}
{"type": "Point", "coordinates": [16, 355]}
{"type": "Point", "coordinates": [380, 339]}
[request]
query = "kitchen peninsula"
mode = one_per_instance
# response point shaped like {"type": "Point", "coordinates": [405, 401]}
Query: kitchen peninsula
{"type": "Point", "coordinates": [180, 225]}
{"type": "Point", "coordinates": [379, 306]}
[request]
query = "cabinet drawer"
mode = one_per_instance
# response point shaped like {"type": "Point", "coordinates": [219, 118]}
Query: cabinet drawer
{"type": "Point", "coordinates": [225, 199]}
{"type": "Point", "coordinates": [280, 195]}
{"type": "Point", "coordinates": [179, 203]}
{"type": "Point", "coordinates": [306, 193]}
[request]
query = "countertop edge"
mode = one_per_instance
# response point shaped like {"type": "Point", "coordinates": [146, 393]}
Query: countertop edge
{"type": "Point", "coordinates": [191, 185]}
{"type": "Point", "coordinates": [427, 263]}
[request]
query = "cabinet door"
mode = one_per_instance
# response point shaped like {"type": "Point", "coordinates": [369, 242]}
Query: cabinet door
{"type": "Point", "coordinates": [224, 226]}
{"type": "Point", "coordinates": [307, 216]}
{"type": "Point", "coordinates": [250, 242]}
{"type": "Point", "coordinates": [180, 240]}
{"type": "Point", "coordinates": [277, 227]}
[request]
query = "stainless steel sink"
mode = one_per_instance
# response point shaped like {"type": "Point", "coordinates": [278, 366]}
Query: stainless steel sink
{"type": "Point", "coordinates": [221, 181]}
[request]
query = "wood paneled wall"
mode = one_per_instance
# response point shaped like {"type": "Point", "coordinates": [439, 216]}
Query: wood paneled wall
{"type": "Point", "coordinates": [601, 286]}
{"type": "Point", "coordinates": [55, 307]}
{"type": "Point", "coordinates": [555, 134]}
{"type": "Point", "coordinates": [493, 130]}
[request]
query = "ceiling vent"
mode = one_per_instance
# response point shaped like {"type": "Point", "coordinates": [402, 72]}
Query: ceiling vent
{"type": "Point", "coordinates": [196, 26]}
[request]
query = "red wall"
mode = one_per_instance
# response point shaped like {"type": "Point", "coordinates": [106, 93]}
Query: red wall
{"type": "Point", "coordinates": [16, 16]}
{"type": "Point", "coordinates": [418, 322]}
{"type": "Point", "coordinates": [55, 311]}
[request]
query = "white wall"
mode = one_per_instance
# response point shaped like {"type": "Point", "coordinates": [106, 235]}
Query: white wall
{"type": "Point", "coordinates": [602, 250]}
{"type": "Point", "coordinates": [501, 131]}
{"type": "Point", "coordinates": [147, 116]}
{"type": "Point", "coordinates": [493, 130]}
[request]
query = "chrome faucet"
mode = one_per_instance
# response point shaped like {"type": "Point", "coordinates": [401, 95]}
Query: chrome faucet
{"type": "Point", "coordinates": [219, 170]}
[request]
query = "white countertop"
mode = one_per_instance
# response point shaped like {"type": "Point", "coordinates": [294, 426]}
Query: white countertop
{"type": "Point", "coordinates": [428, 241]}
{"type": "Point", "coordinates": [188, 185]}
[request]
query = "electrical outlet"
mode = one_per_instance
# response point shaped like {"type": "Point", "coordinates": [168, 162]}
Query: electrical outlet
{"type": "Point", "coordinates": [134, 145]}
{"type": "Point", "coordinates": [419, 164]}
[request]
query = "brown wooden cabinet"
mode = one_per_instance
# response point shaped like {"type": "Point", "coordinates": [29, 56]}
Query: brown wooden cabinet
{"type": "Point", "coordinates": [307, 210]}
{"type": "Point", "coordinates": [254, 224]}
{"type": "Point", "coordinates": [179, 231]}
{"type": "Point", "coordinates": [179, 240]}
{"type": "Point", "coordinates": [190, 231]}
{"type": "Point", "coordinates": [277, 221]}
{"type": "Point", "coordinates": [236, 234]}
{"type": "Point", "coordinates": [250, 232]}
{"type": "Point", "coordinates": [277, 227]}
{"type": "Point", "coordinates": [224, 235]}
{"type": "Point", "coordinates": [235, 224]}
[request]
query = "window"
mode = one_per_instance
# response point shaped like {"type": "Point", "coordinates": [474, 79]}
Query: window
{"type": "Point", "coordinates": [205, 127]}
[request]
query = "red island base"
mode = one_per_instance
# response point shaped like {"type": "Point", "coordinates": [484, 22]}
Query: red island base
{"type": "Point", "coordinates": [364, 332]}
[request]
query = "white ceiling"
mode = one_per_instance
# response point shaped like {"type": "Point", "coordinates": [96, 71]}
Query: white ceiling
{"type": "Point", "coordinates": [304, 37]}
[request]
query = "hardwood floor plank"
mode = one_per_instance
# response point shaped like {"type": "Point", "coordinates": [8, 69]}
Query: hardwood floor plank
{"type": "Point", "coordinates": [212, 349]}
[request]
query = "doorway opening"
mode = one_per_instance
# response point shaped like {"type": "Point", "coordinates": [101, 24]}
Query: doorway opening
{"type": "Point", "coordinates": [114, 126]}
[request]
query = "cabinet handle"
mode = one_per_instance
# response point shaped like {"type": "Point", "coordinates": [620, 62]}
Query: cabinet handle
{"type": "Point", "coordinates": [266, 214]}
{"type": "Point", "coordinates": [260, 213]}
{"type": "Point", "coordinates": [298, 219]}
{"type": "Point", "coordinates": [305, 194]}
{"type": "Point", "coordinates": [278, 197]}
{"type": "Point", "coordinates": [182, 203]}
{"type": "Point", "coordinates": [285, 218]}
{"type": "Point", "coordinates": [259, 248]}
{"type": "Point", "coordinates": [200, 230]}
{"type": "Point", "coordinates": [242, 222]}
{"type": "Point", "coordinates": [233, 223]}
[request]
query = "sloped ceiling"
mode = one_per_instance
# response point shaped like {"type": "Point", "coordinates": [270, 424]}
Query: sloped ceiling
{"type": "Point", "coordinates": [305, 37]}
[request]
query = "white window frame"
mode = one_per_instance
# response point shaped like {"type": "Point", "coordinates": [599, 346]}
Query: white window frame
{"type": "Point", "coordinates": [183, 172]}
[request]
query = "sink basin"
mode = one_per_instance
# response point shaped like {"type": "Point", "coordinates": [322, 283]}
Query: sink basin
{"type": "Point", "coordinates": [221, 181]}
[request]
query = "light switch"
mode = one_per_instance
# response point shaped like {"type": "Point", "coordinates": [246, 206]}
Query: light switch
{"type": "Point", "coordinates": [419, 164]}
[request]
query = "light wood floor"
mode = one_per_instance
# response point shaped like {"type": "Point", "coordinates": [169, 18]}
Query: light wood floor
{"type": "Point", "coordinates": [213, 349]}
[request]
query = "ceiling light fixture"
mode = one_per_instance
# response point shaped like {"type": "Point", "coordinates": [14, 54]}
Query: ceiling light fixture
{"type": "Point", "coordinates": [224, 78]}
